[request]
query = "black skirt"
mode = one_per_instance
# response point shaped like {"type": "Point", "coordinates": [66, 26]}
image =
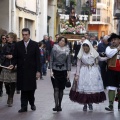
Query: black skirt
{"type": "Point", "coordinates": [113, 78]}
{"type": "Point", "coordinates": [60, 79]}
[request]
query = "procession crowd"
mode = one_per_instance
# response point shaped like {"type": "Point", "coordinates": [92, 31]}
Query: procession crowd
{"type": "Point", "coordinates": [97, 65]}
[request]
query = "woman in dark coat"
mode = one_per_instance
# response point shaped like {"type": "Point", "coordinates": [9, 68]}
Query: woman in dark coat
{"type": "Point", "coordinates": [8, 76]}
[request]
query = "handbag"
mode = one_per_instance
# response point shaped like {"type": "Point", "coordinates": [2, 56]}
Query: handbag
{"type": "Point", "coordinates": [74, 85]}
{"type": "Point", "coordinates": [68, 83]}
{"type": "Point", "coordinates": [73, 92]}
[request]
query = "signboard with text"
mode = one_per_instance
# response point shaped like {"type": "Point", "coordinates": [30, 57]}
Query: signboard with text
{"type": "Point", "coordinates": [93, 6]}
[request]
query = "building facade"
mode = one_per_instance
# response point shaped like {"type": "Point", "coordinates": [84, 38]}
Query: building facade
{"type": "Point", "coordinates": [117, 15]}
{"type": "Point", "coordinates": [33, 14]}
{"type": "Point", "coordinates": [52, 18]}
{"type": "Point", "coordinates": [102, 22]}
{"type": "Point", "coordinates": [26, 15]}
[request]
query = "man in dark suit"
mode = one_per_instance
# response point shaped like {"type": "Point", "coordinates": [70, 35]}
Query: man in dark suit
{"type": "Point", "coordinates": [27, 60]}
{"type": "Point", "coordinates": [93, 40]}
{"type": "Point", "coordinates": [103, 64]}
{"type": "Point", "coordinates": [76, 48]}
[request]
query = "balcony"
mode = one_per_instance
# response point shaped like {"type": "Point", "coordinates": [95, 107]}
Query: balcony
{"type": "Point", "coordinates": [97, 23]}
{"type": "Point", "coordinates": [97, 20]}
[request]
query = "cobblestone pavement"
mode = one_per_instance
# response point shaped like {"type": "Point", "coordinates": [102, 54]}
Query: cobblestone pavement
{"type": "Point", "coordinates": [45, 103]}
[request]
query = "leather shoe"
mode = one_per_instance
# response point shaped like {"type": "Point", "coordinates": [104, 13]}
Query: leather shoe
{"type": "Point", "coordinates": [59, 109]}
{"type": "Point", "coordinates": [55, 109]}
{"type": "Point", "coordinates": [33, 107]}
{"type": "Point", "coordinates": [22, 110]}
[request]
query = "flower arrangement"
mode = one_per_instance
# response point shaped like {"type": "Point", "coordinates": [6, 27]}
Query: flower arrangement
{"type": "Point", "coordinates": [67, 28]}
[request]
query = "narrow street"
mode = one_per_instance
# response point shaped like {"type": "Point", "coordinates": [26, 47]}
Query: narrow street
{"type": "Point", "coordinates": [45, 103]}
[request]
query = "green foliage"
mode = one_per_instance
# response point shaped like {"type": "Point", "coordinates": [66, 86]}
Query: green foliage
{"type": "Point", "coordinates": [73, 2]}
{"type": "Point", "coordinates": [86, 9]}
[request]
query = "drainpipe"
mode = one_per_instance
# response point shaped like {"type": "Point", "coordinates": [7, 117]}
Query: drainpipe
{"type": "Point", "coordinates": [38, 21]}
{"type": "Point", "coordinates": [13, 16]}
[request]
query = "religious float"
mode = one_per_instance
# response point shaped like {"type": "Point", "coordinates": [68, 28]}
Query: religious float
{"type": "Point", "coordinates": [73, 26]}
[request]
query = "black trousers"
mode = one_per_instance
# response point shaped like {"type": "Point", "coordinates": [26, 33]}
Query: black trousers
{"type": "Point", "coordinates": [27, 96]}
{"type": "Point", "coordinates": [103, 67]}
{"type": "Point", "coordinates": [10, 88]}
{"type": "Point", "coordinates": [1, 87]}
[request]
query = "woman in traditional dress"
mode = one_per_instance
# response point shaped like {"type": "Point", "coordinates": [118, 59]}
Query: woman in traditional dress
{"type": "Point", "coordinates": [89, 82]}
{"type": "Point", "coordinates": [60, 65]}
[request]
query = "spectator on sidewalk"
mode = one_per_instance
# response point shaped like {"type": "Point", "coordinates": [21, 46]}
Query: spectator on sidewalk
{"type": "Point", "coordinates": [48, 46]}
{"type": "Point", "coordinates": [8, 76]}
{"type": "Point", "coordinates": [3, 42]}
{"type": "Point", "coordinates": [51, 40]}
{"type": "Point", "coordinates": [43, 59]}
{"type": "Point", "coordinates": [56, 36]}
{"type": "Point", "coordinates": [47, 43]}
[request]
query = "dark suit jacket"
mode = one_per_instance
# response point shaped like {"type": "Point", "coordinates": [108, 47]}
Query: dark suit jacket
{"type": "Point", "coordinates": [94, 42]}
{"type": "Point", "coordinates": [27, 65]}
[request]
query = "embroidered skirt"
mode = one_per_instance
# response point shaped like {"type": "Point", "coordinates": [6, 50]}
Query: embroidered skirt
{"type": "Point", "coordinates": [89, 88]}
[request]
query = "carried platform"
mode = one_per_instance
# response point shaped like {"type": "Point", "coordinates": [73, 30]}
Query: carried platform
{"type": "Point", "coordinates": [72, 37]}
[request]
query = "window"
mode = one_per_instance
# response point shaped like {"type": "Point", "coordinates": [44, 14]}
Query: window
{"type": "Point", "coordinates": [29, 24]}
{"type": "Point", "coordinates": [98, 11]}
{"type": "Point", "coordinates": [96, 17]}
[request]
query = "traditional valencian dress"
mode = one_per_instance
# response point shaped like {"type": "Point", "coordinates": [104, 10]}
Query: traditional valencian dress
{"type": "Point", "coordinates": [89, 85]}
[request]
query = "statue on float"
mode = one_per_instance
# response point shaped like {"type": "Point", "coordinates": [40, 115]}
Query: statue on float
{"type": "Point", "coordinates": [71, 24]}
